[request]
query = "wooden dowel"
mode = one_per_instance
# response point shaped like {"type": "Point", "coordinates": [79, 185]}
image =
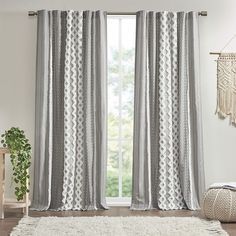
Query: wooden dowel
{"type": "Point", "coordinates": [215, 53]}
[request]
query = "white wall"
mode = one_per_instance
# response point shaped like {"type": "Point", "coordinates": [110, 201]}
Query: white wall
{"type": "Point", "coordinates": [17, 67]}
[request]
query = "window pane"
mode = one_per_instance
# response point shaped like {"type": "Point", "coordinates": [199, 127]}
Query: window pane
{"type": "Point", "coordinates": [113, 109]}
{"type": "Point", "coordinates": [112, 189]}
{"type": "Point", "coordinates": [127, 154]}
{"type": "Point", "coordinates": [121, 51]}
{"type": "Point", "coordinates": [113, 78]}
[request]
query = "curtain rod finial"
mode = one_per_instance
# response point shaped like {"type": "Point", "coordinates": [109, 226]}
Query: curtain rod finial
{"type": "Point", "coordinates": [202, 13]}
{"type": "Point", "coordinates": [32, 13]}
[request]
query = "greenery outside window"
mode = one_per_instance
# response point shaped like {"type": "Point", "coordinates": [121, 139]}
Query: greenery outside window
{"type": "Point", "coordinates": [121, 51]}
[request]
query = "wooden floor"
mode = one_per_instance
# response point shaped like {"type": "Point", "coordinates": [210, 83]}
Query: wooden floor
{"type": "Point", "coordinates": [13, 216]}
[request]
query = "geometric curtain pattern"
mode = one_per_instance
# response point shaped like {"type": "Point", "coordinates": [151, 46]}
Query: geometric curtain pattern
{"type": "Point", "coordinates": [70, 137]}
{"type": "Point", "coordinates": [167, 156]}
{"type": "Point", "coordinates": [71, 123]}
{"type": "Point", "coordinates": [73, 113]}
{"type": "Point", "coordinates": [169, 190]}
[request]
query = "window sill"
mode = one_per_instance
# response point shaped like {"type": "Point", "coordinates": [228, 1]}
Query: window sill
{"type": "Point", "coordinates": [116, 201]}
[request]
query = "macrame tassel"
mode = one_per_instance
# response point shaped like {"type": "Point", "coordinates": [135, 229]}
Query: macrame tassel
{"type": "Point", "coordinates": [226, 86]}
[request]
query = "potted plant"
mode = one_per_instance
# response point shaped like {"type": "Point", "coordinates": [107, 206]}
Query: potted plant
{"type": "Point", "coordinates": [20, 155]}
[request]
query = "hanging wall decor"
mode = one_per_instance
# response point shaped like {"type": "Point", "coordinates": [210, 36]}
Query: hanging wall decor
{"type": "Point", "coordinates": [226, 86]}
{"type": "Point", "coordinates": [226, 83]}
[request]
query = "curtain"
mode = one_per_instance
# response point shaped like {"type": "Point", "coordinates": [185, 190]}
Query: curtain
{"type": "Point", "coordinates": [70, 125]}
{"type": "Point", "coordinates": [167, 152]}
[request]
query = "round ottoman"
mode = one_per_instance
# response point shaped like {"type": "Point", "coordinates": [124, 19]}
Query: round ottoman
{"type": "Point", "coordinates": [220, 204]}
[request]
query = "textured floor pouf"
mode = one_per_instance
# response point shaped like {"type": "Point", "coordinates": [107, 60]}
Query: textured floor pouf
{"type": "Point", "coordinates": [220, 204]}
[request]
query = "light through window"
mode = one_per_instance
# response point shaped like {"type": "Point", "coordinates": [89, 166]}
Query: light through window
{"type": "Point", "coordinates": [121, 50]}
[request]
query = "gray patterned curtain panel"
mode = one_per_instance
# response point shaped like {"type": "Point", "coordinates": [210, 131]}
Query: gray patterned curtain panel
{"type": "Point", "coordinates": [168, 160]}
{"type": "Point", "coordinates": [70, 125]}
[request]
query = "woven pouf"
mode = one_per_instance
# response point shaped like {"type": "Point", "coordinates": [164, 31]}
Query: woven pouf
{"type": "Point", "coordinates": [220, 204]}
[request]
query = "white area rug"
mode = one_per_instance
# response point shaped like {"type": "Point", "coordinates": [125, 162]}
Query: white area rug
{"type": "Point", "coordinates": [120, 226]}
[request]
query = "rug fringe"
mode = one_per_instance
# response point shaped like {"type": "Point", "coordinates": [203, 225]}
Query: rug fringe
{"type": "Point", "coordinates": [26, 227]}
{"type": "Point", "coordinates": [214, 228]}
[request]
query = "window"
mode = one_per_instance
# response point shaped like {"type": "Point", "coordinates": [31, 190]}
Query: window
{"type": "Point", "coordinates": [121, 50]}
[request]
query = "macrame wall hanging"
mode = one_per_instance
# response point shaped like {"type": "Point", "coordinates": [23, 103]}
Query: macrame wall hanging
{"type": "Point", "coordinates": [226, 85]}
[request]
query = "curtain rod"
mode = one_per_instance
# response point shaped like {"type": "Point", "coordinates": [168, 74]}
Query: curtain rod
{"type": "Point", "coordinates": [35, 13]}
